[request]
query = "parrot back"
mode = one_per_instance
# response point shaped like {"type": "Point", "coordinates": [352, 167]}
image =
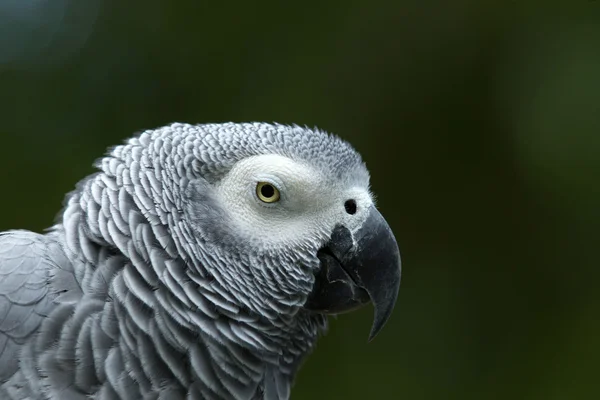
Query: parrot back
{"type": "Point", "coordinates": [28, 261]}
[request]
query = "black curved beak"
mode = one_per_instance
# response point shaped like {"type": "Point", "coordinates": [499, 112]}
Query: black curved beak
{"type": "Point", "coordinates": [358, 268]}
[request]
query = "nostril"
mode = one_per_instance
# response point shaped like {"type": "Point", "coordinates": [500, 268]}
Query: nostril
{"type": "Point", "coordinates": [350, 206]}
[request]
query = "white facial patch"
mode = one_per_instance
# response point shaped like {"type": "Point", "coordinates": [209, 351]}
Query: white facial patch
{"type": "Point", "coordinates": [309, 207]}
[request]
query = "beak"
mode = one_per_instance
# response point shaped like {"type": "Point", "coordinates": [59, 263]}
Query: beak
{"type": "Point", "coordinates": [358, 268]}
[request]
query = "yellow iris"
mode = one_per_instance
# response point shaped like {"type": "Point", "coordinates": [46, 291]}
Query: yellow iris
{"type": "Point", "coordinates": [266, 192]}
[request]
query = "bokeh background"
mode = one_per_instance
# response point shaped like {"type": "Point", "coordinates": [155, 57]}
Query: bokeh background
{"type": "Point", "coordinates": [479, 121]}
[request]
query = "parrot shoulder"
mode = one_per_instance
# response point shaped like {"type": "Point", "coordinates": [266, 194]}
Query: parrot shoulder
{"type": "Point", "coordinates": [29, 264]}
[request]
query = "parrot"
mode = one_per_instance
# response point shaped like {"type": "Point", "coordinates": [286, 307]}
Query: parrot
{"type": "Point", "coordinates": [197, 262]}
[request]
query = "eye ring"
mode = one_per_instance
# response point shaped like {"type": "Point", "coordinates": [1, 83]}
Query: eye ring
{"type": "Point", "coordinates": [267, 192]}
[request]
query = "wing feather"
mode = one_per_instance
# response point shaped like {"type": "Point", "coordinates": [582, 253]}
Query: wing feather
{"type": "Point", "coordinates": [26, 263]}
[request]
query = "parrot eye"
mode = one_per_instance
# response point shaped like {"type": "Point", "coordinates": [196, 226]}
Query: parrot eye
{"type": "Point", "coordinates": [266, 192]}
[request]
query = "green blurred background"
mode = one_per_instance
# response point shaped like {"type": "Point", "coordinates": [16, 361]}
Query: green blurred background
{"type": "Point", "coordinates": [479, 121]}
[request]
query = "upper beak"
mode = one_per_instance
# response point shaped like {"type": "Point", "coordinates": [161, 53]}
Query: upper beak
{"type": "Point", "coordinates": [358, 267]}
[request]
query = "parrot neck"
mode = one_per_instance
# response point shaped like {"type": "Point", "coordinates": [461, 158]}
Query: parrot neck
{"type": "Point", "coordinates": [156, 326]}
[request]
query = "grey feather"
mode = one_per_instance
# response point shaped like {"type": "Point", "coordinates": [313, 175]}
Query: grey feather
{"type": "Point", "coordinates": [144, 289]}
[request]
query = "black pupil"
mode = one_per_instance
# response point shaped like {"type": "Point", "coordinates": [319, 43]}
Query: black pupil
{"type": "Point", "coordinates": [350, 206]}
{"type": "Point", "coordinates": [267, 191]}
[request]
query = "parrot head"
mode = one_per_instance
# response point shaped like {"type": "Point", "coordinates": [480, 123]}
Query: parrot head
{"type": "Point", "coordinates": [280, 218]}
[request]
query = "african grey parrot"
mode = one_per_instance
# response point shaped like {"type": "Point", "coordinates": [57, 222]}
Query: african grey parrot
{"type": "Point", "coordinates": [200, 262]}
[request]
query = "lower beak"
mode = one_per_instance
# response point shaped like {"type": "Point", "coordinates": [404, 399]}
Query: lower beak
{"type": "Point", "coordinates": [357, 268]}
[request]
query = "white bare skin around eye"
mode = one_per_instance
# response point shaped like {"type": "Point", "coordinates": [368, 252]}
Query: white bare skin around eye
{"type": "Point", "coordinates": [309, 206]}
